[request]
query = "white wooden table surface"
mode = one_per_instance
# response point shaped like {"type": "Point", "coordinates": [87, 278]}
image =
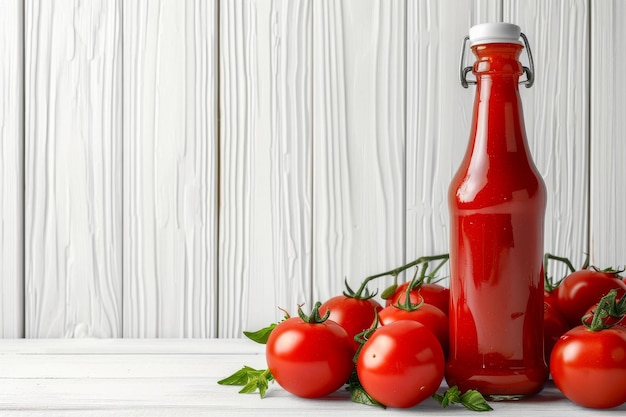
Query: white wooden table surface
{"type": "Point", "coordinates": [166, 377]}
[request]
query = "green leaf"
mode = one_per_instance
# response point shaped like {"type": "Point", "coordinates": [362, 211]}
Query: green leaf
{"type": "Point", "coordinates": [251, 379]}
{"type": "Point", "coordinates": [261, 336]}
{"type": "Point", "coordinates": [241, 377]}
{"type": "Point", "coordinates": [389, 291]}
{"type": "Point", "coordinates": [471, 399]}
{"type": "Point", "coordinates": [250, 387]}
{"type": "Point", "coordinates": [261, 383]}
{"type": "Point", "coordinates": [451, 396]}
{"type": "Point", "coordinates": [358, 394]}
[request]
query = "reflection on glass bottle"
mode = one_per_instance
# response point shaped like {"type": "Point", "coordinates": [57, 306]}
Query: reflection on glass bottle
{"type": "Point", "coordinates": [497, 203]}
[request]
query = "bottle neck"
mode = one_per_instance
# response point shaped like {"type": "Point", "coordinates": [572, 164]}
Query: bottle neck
{"type": "Point", "coordinates": [498, 123]}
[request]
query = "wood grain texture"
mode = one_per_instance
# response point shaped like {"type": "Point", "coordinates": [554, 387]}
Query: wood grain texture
{"type": "Point", "coordinates": [197, 394]}
{"type": "Point", "coordinates": [358, 142]}
{"type": "Point", "coordinates": [143, 213]}
{"type": "Point", "coordinates": [179, 378]}
{"type": "Point", "coordinates": [170, 168]}
{"type": "Point", "coordinates": [73, 165]}
{"type": "Point", "coordinates": [11, 169]}
{"type": "Point", "coordinates": [439, 113]}
{"type": "Point", "coordinates": [608, 124]}
{"type": "Point", "coordinates": [556, 112]}
{"type": "Point", "coordinates": [265, 160]}
{"type": "Point", "coordinates": [129, 346]}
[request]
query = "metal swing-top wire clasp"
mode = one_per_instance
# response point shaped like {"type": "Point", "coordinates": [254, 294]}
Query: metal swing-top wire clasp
{"type": "Point", "coordinates": [530, 72]}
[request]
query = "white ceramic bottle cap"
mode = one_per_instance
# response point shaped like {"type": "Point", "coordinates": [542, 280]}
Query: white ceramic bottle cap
{"type": "Point", "coordinates": [494, 33]}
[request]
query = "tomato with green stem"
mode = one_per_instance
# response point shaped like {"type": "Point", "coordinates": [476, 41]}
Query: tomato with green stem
{"type": "Point", "coordinates": [353, 311]}
{"type": "Point", "coordinates": [612, 316]}
{"type": "Point", "coordinates": [583, 288]}
{"type": "Point", "coordinates": [310, 356]}
{"type": "Point", "coordinates": [401, 364]}
{"type": "Point", "coordinates": [430, 316]}
{"type": "Point", "coordinates": [588, 363]}
{"type": "Point", "coordinates": [431, 293]}
{"type": "Point", "coordinates": [579, 290]}
{"type": "Point", "coordinates": [422, 286]}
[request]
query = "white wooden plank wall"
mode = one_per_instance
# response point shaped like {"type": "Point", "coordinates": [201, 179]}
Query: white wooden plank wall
{"type": "Point", "coordinates": [73, 161]}
{"type": "Point", "coordinates": [11, 169]}
{"type": "Point", "coordinates": [131, 209]}
{"type": "Point", "coordinates": [358, 141]}
{"type": "Point", "coordinates": [265, 161]}
{"type": "Point", "coordinates": [170, 168]}
{"type": "Point", "coordinates": [607, 127]}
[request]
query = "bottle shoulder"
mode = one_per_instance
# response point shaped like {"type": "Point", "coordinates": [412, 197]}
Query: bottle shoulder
{"type": "Point", "coordinates": [486, 185]}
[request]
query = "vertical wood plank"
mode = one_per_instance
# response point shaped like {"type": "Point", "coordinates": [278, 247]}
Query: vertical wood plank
{"type": "Point", "coordinates": [358, 141]}
{"type": "Point", "coordinates": [439, 113]}
{"type": "Point", "coordinates": [72, 169]}
{"type": "Point", "coordinates": [556, 112]}
{"type": "Point", "coordinates": [608, 124]}
{"type": "Point", "coordinates": [11, 170]}
{"type": "Point", "coordinates": [170, 168]}
{"type": "Point", "coordinates": [265, 155]}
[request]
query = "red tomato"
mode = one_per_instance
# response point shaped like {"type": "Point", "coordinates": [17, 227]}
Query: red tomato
{"type": "Point", "coordinates": [353, 314]}
{"type": "Point", "coordinates": [309, 359]}
{"type": "Point", "coordinates": [551, 297]}
{"type": "Point", "coordinates": [401, 364]}
{"type": "Point", "coordinates": [433, 294]}
{"type": "Point", "coordinates": [582, 289]}
{"type": "Point", "coordinates": [590, 367]}
{"type": "Point", "coordinates": [430, 316]}
{"type": "Point", "coordinates": [554, 326]}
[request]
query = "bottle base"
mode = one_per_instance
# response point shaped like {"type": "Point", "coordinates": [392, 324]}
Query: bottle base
{"type": "Point", "coordinates": [499, 384]}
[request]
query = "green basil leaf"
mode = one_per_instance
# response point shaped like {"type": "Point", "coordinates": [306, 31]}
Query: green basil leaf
{"type": "Point", "coordinates": [360, 396]}
{"type": "Point", "coordinates": [261, 336]}
{"type": "Point", "coordinates": [473, 400]}
{"type": "Point", "coordinates": [241, 377]}
{"type": "Point", "coordinates": [451, 396]}
{"type": "Point", "coordinates": [251, 379]}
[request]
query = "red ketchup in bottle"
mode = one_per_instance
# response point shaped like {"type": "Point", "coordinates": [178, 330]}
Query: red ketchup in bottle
{"type": "Point", "coordinates": [497, 202]}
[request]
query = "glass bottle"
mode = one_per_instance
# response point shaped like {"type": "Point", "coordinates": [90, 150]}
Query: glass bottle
{"type": "Point", "coordinates": [497, 202]}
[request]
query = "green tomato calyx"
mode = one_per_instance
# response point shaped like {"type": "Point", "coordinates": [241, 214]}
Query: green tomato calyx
{"type": "Point", "coordinates": [608, 307]}
{"type": "Point", "coordinates": [314, 317]}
